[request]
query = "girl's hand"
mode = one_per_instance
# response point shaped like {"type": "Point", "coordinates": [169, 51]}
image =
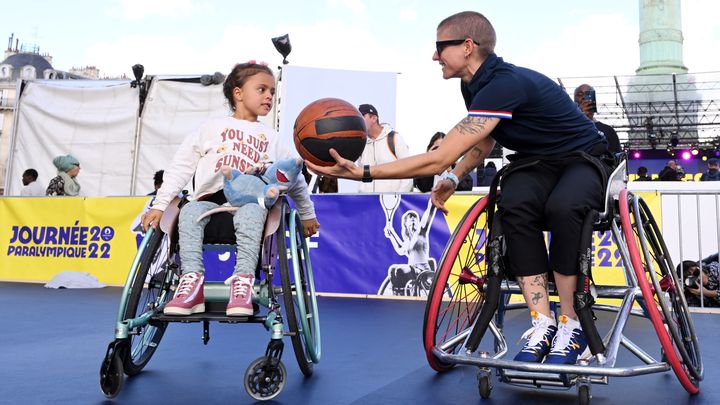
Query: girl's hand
{"type": "Point", "coordinates": [151, 217]}
{"type": "Point", "coordinates": [310, 226]}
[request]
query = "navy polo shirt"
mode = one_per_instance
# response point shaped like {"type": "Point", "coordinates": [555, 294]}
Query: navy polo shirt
{"type": "Point", "coordinates": [536, 116]}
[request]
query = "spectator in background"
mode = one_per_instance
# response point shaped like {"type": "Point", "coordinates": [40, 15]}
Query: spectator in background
{"type": "Point", "coordinates": [669, 172]}
{"type": "Point", "coordinates": [642, 174]}
{"type": "Point", "coordinates": [694, 276]}
{"type": "Point", "coordinates": [383, 145]}
{"type": "Point", "coordinates": [65, 183]}
{"type": "Point", "coordinates": [425, 184]}
{"type": "Point", "coordinates": [31, 187]}
{"type": "Point", "coordinates": [489, 173]}
{"type": "Point", "coordinates": [585, 99]}
{"type": "Point", "coordinates": [712, 174]}
{"type": "Point", "coordinates": [157, 181]}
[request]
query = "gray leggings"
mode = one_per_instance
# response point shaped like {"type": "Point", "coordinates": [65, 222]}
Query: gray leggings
{"type": "Point", "coordinates": [249, 223]}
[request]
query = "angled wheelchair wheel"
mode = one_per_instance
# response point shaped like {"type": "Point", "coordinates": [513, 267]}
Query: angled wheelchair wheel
{"type": "Point", "coordinates": [149, 291]}
{"type": "Point", "coordinates": [298, 288]}
{"type": "Point", "coordinates": [662, 291]}
{"type": "Point", "coordinates": [456, 294]}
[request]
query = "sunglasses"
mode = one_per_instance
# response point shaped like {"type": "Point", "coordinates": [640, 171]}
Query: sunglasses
{"type": "Point", "coordinates": [441, 45]}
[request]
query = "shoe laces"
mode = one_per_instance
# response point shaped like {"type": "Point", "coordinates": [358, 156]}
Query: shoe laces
{"type": "Point", "coordinates": [564, 338]}
{"type": "Point", "coordinates": [535, 334]}
{"type": "Point", "coordinates": [239, 286]}
{"type": "Point", "coordinates": [187, 283]}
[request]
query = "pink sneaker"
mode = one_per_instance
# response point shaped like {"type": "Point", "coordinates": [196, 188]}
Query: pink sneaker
{"type": "Point", "coordinates": [241, 290]}
{"type": "Point", "coordinates": [189, 297]}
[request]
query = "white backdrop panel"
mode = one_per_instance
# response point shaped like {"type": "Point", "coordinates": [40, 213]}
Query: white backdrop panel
{"type": "Point", "coordinates": [93, 122]}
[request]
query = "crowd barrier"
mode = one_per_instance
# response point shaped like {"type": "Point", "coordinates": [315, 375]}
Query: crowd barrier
{"type": "Point", "coordinates": [351, 254]}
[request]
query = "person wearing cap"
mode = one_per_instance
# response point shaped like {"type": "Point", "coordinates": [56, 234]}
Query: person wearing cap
{"type": "Point", "coordinates": [65, 183]}
{"type": "Point", "coordinates": [383, 145]}
{"type": "Point", "coordinates": [712, 174]}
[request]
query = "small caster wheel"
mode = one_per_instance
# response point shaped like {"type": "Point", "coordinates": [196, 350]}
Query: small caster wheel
{"type": "Point", "coordinates": [111, 376]}
{"type": "Point", "coordinates": [265, 378]}
{"type": "Point", "coordinates": [584, 394]}
{"type": "Point", "coordinates": [484, 386]}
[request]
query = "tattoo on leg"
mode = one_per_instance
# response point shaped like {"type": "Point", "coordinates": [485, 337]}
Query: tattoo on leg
{"type": "Point", "coordinates": [540, 280]}
{"type": "Point", "coordinates": [536, 297]}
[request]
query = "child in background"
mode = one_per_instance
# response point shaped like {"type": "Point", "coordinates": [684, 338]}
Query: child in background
{"type": "Point", "coordinates": [241, 142]}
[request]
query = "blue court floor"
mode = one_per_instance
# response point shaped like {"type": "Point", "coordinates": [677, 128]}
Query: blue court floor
{"type": "Point", "coordinates": [53, 341]}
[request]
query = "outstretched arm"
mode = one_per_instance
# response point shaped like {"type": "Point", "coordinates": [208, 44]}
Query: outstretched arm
{"type": "Point", "coordinates": [462, 138]}
{"type": "Point", "coordinates": [427, 217]}
{"type": "Point", "coordinates": [395, 240]}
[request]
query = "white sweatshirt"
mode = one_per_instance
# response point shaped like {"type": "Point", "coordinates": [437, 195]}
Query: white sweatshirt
{"type": "Point", "coordinates": [377, 151]}
{"type": "Point", "coordinates": [227, 141]}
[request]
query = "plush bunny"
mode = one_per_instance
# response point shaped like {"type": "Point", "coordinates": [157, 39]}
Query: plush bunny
{"type": "Point", "coordinates": [255, 188]}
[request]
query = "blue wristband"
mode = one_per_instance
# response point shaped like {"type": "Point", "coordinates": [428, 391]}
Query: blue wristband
{"type": "Point", "coordinates": [452, 177]}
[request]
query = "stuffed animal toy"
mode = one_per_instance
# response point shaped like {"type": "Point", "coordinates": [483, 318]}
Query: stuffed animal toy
{"type": "Point", "coordinates": [254, 187]}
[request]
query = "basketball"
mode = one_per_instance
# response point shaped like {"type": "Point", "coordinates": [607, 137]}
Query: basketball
{"type": "Point", "coordinates": [329, 123]}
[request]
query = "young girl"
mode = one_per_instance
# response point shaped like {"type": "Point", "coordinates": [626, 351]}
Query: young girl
{"type": "Point", "coordinates": [239, 141]}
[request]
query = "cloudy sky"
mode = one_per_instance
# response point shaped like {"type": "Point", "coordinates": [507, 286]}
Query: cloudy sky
{"type": "Point", "coordinates": [561, 38]}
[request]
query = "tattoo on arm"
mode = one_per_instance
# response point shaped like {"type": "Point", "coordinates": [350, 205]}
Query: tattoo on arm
{"type": "Point", "coordinates": [471, 125]}
{"type": "Point", "coordinates": [472, 154]}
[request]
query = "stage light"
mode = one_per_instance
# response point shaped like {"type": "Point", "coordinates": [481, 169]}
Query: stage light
{"type": "Point", "coordinates": [282, 45]}
{"type": "Point", "coordinates": [686, 155]}
{"type": "Point", "coordinates": [694, 151]}
{"type": "Point", "coordinates": [636, 155]}
{"type": "Point", "coordinates": [674, 140]}
{"type": "Point", "coordinates": [704, 158]}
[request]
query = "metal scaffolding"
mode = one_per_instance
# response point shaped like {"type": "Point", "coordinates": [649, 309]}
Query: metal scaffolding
{"type": "Point", "coordinates": [670, 111]}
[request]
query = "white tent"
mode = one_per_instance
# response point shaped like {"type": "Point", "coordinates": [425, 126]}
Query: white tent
{"type": "Point", "coordinates": [120, 147]}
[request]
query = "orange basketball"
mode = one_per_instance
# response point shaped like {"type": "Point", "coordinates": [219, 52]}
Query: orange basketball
{"type": "Point", "coordinates": [329, 123]}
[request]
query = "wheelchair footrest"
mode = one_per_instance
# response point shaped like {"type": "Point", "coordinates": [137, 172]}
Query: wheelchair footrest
{"type": "Point", "coordinates": [209, 316]}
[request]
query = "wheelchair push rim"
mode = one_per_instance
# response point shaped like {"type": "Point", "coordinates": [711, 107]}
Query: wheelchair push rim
{"type": "Point", "coordinates": [299, 292]}
{"type": "Point", "coordinates": [667, 310]}
{"type": "Point", "coordinates": [454, 304]}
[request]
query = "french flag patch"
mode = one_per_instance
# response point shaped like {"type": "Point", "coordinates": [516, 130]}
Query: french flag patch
{"type": "Point", "coordinates": [490, 113]}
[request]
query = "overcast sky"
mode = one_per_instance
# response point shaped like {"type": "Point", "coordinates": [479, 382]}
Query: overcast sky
{"type": "Point", "coordinates": [562, 38]}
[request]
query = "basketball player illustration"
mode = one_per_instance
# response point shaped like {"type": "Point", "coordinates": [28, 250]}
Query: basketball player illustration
{"type": "Point", "coordinates": [415, 277]}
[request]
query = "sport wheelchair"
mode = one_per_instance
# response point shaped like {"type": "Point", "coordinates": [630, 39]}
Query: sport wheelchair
{"type": "Point", "coordinates": [154, 275]}
{"type": "Point", "coordinates": [471, 268]}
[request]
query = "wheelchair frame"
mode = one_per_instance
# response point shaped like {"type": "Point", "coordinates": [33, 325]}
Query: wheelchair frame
{"type": "Point", "coordinates": [471, 267]}
{"type": "Point", "coordinates": [154, 274]}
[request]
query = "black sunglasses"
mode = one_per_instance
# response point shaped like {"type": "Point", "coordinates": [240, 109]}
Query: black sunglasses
{"type": "Point", "coordinates": [441, 45]}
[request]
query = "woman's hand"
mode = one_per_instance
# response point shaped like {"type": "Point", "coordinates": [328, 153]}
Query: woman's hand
{"type": "Point", "coordinates": [310, 226]}
{"type": "Point", "coordinates": [152, 217]}
{"type": "Point", "coordinates": [440, 194]}
{"type": "Point", "coordinates": [344, 168]}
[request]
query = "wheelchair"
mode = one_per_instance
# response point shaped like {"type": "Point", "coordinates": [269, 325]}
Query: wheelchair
{"type": "Point", "coordinates": [472, 269]}
{"type": "Point", "coordinates": [154, 275]}
{"type": "Point", "coordinates": [417, 285]}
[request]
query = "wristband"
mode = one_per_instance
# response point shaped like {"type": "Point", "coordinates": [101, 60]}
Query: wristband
{"type": "Point", "coordinates": [366, 178]}
{"type": "Point", "coordinates": [452, 177]}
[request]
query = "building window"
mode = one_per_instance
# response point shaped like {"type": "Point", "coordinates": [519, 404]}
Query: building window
{"type": "Point", "coordinates": [5, 71]}
{"type": "Point", "coordinates": [28, 72]}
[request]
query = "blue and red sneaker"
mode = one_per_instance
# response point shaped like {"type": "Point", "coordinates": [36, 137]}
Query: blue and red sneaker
{"type": "Point", "coordinates": [569, 342]}
{"type": "Point", "coordinates": [539, 338]}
